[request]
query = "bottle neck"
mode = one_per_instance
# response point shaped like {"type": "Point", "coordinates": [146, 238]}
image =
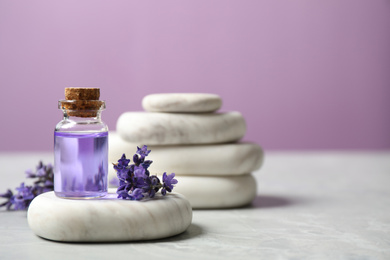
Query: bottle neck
{"type": "Point", "coordinates": [82, 108]}
{"type": "Point", "coordinates": [82, 115]}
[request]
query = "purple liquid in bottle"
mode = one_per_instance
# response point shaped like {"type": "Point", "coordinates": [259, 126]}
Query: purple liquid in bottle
{"type": "Point", "coordinates": [80, 164]}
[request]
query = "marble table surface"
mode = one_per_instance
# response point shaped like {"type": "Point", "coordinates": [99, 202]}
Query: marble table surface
{"type": "Point", "coordinates": [310, 205]}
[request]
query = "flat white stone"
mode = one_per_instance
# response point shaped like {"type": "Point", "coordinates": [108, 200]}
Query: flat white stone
{"type": "Point", "coordinates": [182, 102]}
{"type": "Point", "coordinates": [168, 128]}
{"type": "Point", "coordinates": [108, 218]}
{"type": "Point", "coordinates": [215, 159]}
{"type": "Point", "coordinates": [217, 192]}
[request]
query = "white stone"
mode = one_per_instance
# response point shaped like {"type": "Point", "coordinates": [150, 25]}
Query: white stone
{"type": "Point", "coordinates": [108, 218]}
{"type": "Point", "coordinates": [216, 159]}
{"type": "Point", "coordinates": [168, 128]}
{"type": "Point", "coordinates": [217, 192]}
{"type": "Point", "coordinates": [182, 102]}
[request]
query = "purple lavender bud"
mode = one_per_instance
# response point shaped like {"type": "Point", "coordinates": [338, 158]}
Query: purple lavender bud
{"type": "Point", "coordinates": [123, 194]}
{"type": "Point", "coordinates": [154, 180]}
{"type": "Point", "coordinates": [169, 181]}
{"type": "Point", "coordinates": [136, 159]}
{"type": "Point", "coordinates": [40, 165]}
{"type": "Point", "coordinates": [30, 174]}
{"type": "Point", "coordinates": [7, 194]}
{"type": "Point", "coordinates": [122, 173]}
{"type": "Point", "coordinates": [135, 181]}
{"type": "Point", "coordinates": [41, 172]}
{"type": "Point", "coordinates": [138, 183]}
{"type": "Point", "coordinates": [139, 172]}
{"type": "Point", "coordinates": [44, 176]}
{"type": "Point", "coordinates": [152, 192]}
{"type": "Point", "coordinates": [23, 198]}
{"type": "Point", "coordinates": [143, 151]}
{"type": "Point", "coordinates": [136, 194]}
{"type": "Point", "coordinates": [146, 164]}
{"type": "Point", "coordinates": [123, 162]}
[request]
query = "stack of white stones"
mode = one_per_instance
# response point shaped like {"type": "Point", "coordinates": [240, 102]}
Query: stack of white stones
{"type": "Point", "coordinates": [189, 138]}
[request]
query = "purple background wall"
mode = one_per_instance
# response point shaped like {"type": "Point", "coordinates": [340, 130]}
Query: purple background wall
{"type": "Point", "coordinates": [305, 74]}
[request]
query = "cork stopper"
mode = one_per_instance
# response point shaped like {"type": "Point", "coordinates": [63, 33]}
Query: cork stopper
{"type": "Point", "coordinates": [82, 102]}
{"type": "Point", "coordinates": [82, 93]}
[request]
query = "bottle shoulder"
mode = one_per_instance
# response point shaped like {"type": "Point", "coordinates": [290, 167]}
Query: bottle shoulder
{"type": "Point", "coordinates": [81, 126]}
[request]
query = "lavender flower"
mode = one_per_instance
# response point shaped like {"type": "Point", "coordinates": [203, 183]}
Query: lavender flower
{"type": "Point", "coordinates": [136, 194]}
{"type": "Point", "coordinates": [123, 194]}
{"type": "Point", "coordinates": [23, 198]}
{"type": "Point", "coordinates": [44, 176]}
{"type": "Point", "coordinates": [143, 151]}
{"type": "Point", "coordinates": [135, 181]}
{"type": "Point", "coordinates": [139, 172]}
{"type": "Point", "coordinates": [8, 195]}
{"type": "Point", "coordinates": [152, 185]}
{"type": "Point", "coordinates": [146, 164]}
{"type": "Point", "coordinates": [122, 163]}
{"type": "Point", "coordinates": [168, 182]}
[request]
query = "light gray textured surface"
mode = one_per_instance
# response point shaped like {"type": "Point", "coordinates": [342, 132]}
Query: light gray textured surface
{"type": "Point", "coordinates": [320, 205]}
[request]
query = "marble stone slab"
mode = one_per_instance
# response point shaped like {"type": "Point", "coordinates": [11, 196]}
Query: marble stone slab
{"type": "Point", "coordinates": [173, 128]}
{"type": "Point", "coordinates": [182, 102]}
{"type": "Point", "coordinates": [108, 218]}
{"type": "Point", "coordinates": [215, 159]}
{"type": "Point", "coordinates": [209, 192]}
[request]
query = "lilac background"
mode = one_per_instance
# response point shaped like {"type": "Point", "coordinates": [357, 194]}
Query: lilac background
{"type": "Point", "coordinates": [305, 74]}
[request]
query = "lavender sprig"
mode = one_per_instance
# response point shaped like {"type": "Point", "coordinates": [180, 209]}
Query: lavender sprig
{"type": "Point", "coordinates": [44, 176]}
{"type": "Point", "coordinates": [135, 181]}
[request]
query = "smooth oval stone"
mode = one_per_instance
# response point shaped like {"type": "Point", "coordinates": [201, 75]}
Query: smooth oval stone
{"type": "Point", "coordinates": [108, 218]}
{"type": "Point", "coordinates": [182, 102]}
{"type": "Point", "coordinates": [217, 192]}
{"type": "Point", "coordinates": [215, 159]}
{"type": "Point", "coordinates": [168, 128]}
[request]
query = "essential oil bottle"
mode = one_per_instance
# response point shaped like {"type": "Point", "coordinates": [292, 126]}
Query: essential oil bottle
{"type": "Point", "coordinates": [81, 146]}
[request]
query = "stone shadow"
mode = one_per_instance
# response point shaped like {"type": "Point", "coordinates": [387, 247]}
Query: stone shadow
{"type": "Point", "coordinates": [271, 201]}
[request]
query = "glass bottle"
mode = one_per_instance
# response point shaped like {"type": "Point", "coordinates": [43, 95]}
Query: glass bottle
{"type": "Point", "coordinates": [81, 146]}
